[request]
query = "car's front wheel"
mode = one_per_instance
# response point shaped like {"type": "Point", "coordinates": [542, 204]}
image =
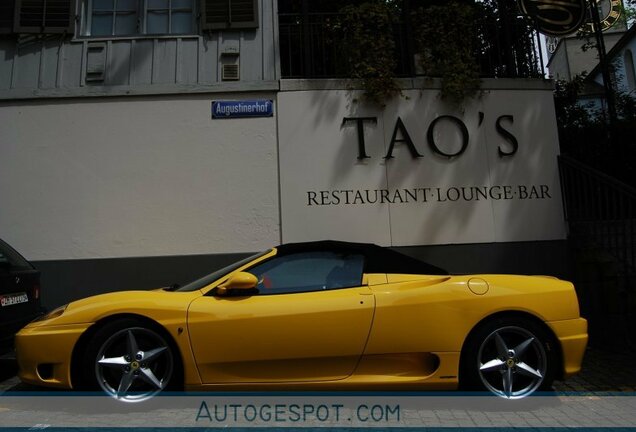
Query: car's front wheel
{"type": "Point", "coordinates": [509, 357]}
{"type": "Point", "coordinates": [129, 361]}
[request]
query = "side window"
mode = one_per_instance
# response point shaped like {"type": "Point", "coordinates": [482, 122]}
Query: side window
{"type": "Point", "coordinates": [309, 271]}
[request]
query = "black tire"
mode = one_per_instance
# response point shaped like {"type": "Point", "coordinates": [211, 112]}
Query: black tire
{"type": "Point", "coordinates": [528, 358]}
{"type": "Point", "coordinates": [130, 361]}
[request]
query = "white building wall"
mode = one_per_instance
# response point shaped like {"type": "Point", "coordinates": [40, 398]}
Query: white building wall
{"type": "Point", "coordinates": [157, 176]}
{"type": "Point", "coordinates": [327, 192]}
{"type": "Point", "coordinates": [625, 84]}
{"type": "Point", "coordinates": [142, 176]}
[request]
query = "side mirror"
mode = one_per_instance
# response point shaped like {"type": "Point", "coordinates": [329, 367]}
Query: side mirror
{"type": "Point", "coordinates": [242, 281]}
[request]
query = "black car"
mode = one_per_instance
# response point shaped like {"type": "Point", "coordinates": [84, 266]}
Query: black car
{"type": "Point", "coordinates": [19, 294]}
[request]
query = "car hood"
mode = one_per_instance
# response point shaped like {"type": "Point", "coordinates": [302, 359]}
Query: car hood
{"type": "Point", "coordinates": [156, 304]}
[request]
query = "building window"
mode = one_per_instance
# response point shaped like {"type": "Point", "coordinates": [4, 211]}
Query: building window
{"type": "Point", "coordinates": [113, 17]}
{"type": "Point", "coordinates": [628, 59]}
{"type": "Point", "coordinates": [134, 17]}
{"type": "Point", "coordinates": [169, 16]}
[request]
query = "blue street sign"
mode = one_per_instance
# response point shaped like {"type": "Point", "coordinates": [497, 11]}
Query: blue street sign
{"type": "Point", "coordinates": [242, 108]}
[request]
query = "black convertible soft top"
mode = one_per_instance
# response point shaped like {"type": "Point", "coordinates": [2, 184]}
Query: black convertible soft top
{"type": "Point", "coordinates": [378, 259]}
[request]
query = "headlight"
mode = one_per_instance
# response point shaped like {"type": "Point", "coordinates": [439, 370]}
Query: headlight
{"type": "Point", "coordinates": [53, 314]}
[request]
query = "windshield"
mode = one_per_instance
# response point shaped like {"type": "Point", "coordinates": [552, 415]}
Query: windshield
{"type": "Point", "coordinates": [208, 279]}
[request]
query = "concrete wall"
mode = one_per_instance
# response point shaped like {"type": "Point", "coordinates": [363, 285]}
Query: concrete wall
{"type": "Point", "coordinates": [503, 187]}
{"type": "Point", "coordinates": [114, 193]}
{"type": "Point", "coordinates": [125, 177]}
{"type": "Point", "coordinates": [558, 66]}
{"type": "Point", "coordinates": [570, 59]}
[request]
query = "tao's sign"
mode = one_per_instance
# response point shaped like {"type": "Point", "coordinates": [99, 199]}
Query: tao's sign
{"type": "Point", "coordinates": [555, 17]}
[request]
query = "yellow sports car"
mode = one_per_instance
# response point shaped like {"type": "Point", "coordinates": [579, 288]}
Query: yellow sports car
{"type": "Point", "coordinates": [314, 316]}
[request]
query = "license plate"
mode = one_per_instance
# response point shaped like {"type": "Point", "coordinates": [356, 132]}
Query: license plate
{"type": "Point", "coordinates": [12, 299]}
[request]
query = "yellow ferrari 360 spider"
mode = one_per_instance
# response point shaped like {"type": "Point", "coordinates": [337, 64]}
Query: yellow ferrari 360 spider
{"type": "Point", "coordinates": [314, 316]}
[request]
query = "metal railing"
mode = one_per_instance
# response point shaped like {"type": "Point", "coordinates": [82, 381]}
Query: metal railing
{"type": "Point", "coordinates": [601, 216]}
{"type": "Point", "coordinates": [504, 48]}
{"type": "Point", "coordinates": [308, 49]}
{"type": "Point", "coordinates": [601, 208]}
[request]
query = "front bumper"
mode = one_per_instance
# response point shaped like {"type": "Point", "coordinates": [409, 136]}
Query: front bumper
{"type": "Point", "coordinates": [44, 354]}
{"type": "Point", "coordinates": [8, 329]}
{"type": "Point", "coordinates": [572, 335]}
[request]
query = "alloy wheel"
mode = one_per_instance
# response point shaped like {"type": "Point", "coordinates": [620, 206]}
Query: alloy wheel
{"type": "Point", "coordinates": [134, 364]}
{"type": "Point", "coordinates": [512, 362]}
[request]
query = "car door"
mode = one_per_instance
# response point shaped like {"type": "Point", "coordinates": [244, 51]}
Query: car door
{"type": "Point", "coordinates": [309, 322]}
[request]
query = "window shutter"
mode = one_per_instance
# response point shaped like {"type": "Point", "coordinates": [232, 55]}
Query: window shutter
{"type": "Point", "coordinates": [44, 16]}
{"type": "Point", "coordinates": [6, 16]}
{"type": "Point", "coordinates": [229, 14]}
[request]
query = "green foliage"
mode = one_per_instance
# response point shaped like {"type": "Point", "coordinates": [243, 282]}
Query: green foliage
{"type": "Point", "coordinates": [444, 33]}
{"type": "Point", "coordinates": [571, 114]}
{"type": "Point", "coordinates": [629, 13]}
{"type": "Point", "coordinates": [453, 40]}
{"type": "Point", "coordinates": [366, 33]}
{"type": "Point", "coordinates": [445, 37]}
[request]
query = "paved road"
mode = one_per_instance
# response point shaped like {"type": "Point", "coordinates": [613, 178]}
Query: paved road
{"type": "Point", "coordinates": [603, 371]}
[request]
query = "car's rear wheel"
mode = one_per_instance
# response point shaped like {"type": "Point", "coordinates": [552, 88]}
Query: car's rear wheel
{"type": "Point", "coordinates": [129, 361]}
{"type": "Point", "coordinates": [509, 357]}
